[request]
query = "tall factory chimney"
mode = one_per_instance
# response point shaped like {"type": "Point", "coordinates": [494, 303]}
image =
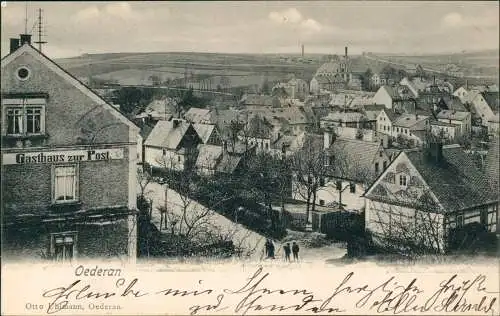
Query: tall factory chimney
{"type": "Point", "coordinates": [302, 50]}
{"type": "Point", "coordinates": [346, 53]}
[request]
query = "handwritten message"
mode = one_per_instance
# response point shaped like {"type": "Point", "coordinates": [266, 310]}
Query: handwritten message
{"type": "Point", "coordinates": [258, 292]}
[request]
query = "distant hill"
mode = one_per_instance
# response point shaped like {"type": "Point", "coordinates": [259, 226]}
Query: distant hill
{"type": "Point", "coordinates": [253, 69]}
{"type": "Point", "coordinates": [137, 68]}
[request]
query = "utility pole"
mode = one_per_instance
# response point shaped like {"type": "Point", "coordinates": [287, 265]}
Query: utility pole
{"type": "Point", "coordinates": [40, 42]}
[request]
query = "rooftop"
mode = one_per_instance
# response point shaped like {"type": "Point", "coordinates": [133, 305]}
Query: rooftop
{"type": "Point", "coordinates": [492, 165]}
{"type": "Point", "coordinates": [456, 181]}
{"type": "Point", "coordinates": [344, 117]}
{"type": "Point", "coordinates": [167, 134]}
{"type": "Point", "coordinates": [204, 131]}
{"type": "Point", "coordinates": [409, 120]}
{"type": "Point", "coordinates": [453, 115]}
{"type": "Point", "coordinates": [358, 156]}
{"type": "Point", "coordinates": [197, 115]}
{"type": "Point", "coordinates": [493, 100]}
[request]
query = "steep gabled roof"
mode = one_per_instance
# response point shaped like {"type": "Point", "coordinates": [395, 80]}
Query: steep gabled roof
{"type": "Point", "coordinates": [166, 134]}
{"type": "Point", "coordinates": [391, 115]}
{"type": "Point", "coordinates": [28, 49]}
{"type": "Point", "coordinates": [492, 165]}
{"type": "Point", "coordinates": [453, 103]}
{"type": "Point", "coordinates": [358, 155]}
{"type": "Point", "coordinates": [456, 182]}
{"type": "Point", "coordinates": [204, 131]}
{"type": "Point", "coordinates": [492, 99]}
{"type": "Point", "coordinates": [197, 115]}
{"type": "Point", "coordinates": [208, 156]}
{"type": "Point", "coordinates": [228, 163]}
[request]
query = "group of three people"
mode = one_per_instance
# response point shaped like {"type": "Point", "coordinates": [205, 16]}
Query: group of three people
{"type": "Point", "coordinates": [294, 248]}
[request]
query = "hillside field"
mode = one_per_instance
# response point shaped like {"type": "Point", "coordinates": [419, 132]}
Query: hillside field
{"type": "Point", "coordinates": [250, 70]}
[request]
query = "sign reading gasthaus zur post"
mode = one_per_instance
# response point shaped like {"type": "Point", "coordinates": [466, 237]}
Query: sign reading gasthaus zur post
{"type": "Point", "coordinates": [62, 156]}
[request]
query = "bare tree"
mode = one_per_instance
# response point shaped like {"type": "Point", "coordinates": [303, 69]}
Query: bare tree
{"type": "Point", "coordinates": [185, 218]}
{"type": "Point", "coordinates": [408, 222]}
{"type": "Point", "coordinates": [309, 169]}
{"type": "Point", "coordinates": [266, 181]}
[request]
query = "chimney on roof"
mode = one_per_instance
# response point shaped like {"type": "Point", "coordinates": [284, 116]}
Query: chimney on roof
{"type": "Point", "coordinates": [175, 122]}
{"type": "Point", "coordinates": [25, 39]}
{"type": "Point", "coordinates": [14, 44]}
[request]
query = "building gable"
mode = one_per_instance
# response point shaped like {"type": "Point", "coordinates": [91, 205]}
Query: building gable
{"type": "Point", "coordinates": [74, 113]}
{"type": "Point", "coordinates": [402, 184]}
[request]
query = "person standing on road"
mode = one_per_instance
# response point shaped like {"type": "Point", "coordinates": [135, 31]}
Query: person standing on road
{"type": "Point", "coordinates": [287, 250]}
{"type": "Point", "coordinates": [295, 250]}
{"type": "Point", "coordinates": [268, 248]}
{"type": "Point", "coordinates": [271, 249]}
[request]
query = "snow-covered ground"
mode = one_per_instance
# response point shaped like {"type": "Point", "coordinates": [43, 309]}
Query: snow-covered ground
{"type": "Point", "coordinates": [250, 241]}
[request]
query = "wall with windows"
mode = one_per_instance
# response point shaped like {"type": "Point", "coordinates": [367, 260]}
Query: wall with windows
{"type": "Point", "coordinates": [68, 115]}
{"type": "Point", "coordinates": [164, 158]}
{"type": "Point", "coordinates": [48, 113]}
{"type": "Point", "coordinates": [328, 193]}
{"type": "Point", "coordinates": [33, 188]}
{"type": "Point", "coordinates": [336, 190]}
{"type": "Point", "coordinates": [384, 124]}
{"type": "Point", "coordinates": [65, 242]}
{"type": "Point", "coordinates": [389, 222]}
{"type": "Point", "coordinates": [486, 215]}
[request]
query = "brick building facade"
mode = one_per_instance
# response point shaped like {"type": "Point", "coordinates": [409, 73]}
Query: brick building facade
{"type": "Point", "coordinates": [68, 165]}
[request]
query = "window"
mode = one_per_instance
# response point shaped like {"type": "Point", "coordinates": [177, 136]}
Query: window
{"type": "Point", "coordinates": [164, 152]}
{"type": "Point", "coordinates": [63, 246]}
{"type": "Point", "coordinates": [33, 120]}
{"type": "Point", "coordinates": [352, 187]}
{"type": "Point", "coordinates": [65, 183]}
{"type": "Point", "coordinates": [402, 180]}
{"type": "Point", "coordinates": [14, 121]}
{"type": "Point", "coordinates": [321, 202]}
{"type": "Point", "coordinates": [376, 167]}
{"type": "Point", "coordinates": [23, 116]}
{"type": "Point", "coordinates": [178, 158]}
{"type": "Point", "coordinates": [484, 217]}
{"type": "Point", "coordinates": [380, 153]}
{"type": "Point", "coordinates": [385, 165]}
{"type": "Point", "coordinates": [331, 160]}
{"type": "Point", "coordinates": [460, 220]}
{"type": "Point", "coordinates": [322, 181]}
{"type": "Point", "coordinates": [23, 73]}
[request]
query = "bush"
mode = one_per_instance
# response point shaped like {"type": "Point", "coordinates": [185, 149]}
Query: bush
{"type": "Point", "coordinates": [472, 238]}
{"type": "Point", "coordinates": [360, 245]}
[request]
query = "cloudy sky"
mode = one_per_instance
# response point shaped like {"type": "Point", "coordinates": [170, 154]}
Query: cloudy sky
{"type": "Point", "coordinates": [418, 27]}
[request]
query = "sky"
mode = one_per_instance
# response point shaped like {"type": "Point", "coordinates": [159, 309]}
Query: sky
{"type": "Point", "coordinates": [75, 28]}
